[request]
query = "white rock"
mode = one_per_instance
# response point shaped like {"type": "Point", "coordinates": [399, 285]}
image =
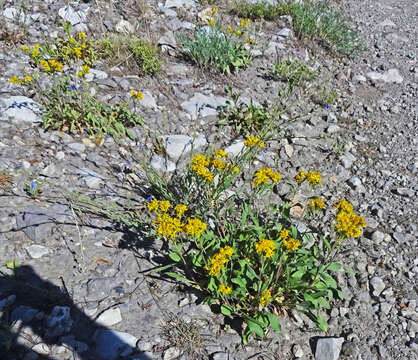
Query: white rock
{"type": "Point", "coordinates": [179, 3]}
{"type": "Point", "coordinates": [41, 349]}
{"type": "Point", "coordinates": [37, 251]}
{"type": "Point", "coordinates": [328, 348]}
{"type": "Point", "coordinates": [110, 317]}
{"type": "Point", "coordinates": [165, 165]}
{"type": "Point", "coordinates": [178, 145]}
{"type": "Point", "coordinates": [124, 27]}
{"type": "Point", "coordinates": [12, 13]}
{"type": "Point", "coordinates": [235, 148]}
{"type": "Point", "coordinates": [21, 109]}
{"type": "Point", "coordinates": [390, 76]}
{"type": "Point", "coordinates": [98, 74]}
{"type": "Point", "coordinates": [148, 100]}
{"type": "Point", "coordinates": [67, 13]}
{"type": "Point", "coordinates": [203, 105]}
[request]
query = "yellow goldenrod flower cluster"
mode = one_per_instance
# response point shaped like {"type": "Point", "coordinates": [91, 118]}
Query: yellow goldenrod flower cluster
{"type": "Point", "coordinates": [219, 260]}
{"type": "Point", "coordinates": [50, 66]}
{"type": "Point", "coordinates": [253, 140]}
{"type": "Point", "coordinates": [25, 81]}
{"type": "Point", "coordinates": [349, 224]}
{"type": "Point", "coordinates": [289, 243]}
{"type": "Point", "coordinates": [317, 203]}
{"type": "Point", "coordinates": [265, 298]}
{"type": "Point", "coordinates": [137, 94]}
{"type": "Point", "coordinates": [170, 226]}
{"type": "Point", "coordinates": [313, 177]}
{"type": "Point", "coordinates": [224, 289]}
{"type": "Point", "coordinates": [262, 176]}
{"type": "Point", "coordinates": [204, 167]}
{"type": "Point", "coordinates": [265, 246]}
{"type": "Point", "coordinates": [194, 227]}
{"type": "Point", "coordinates": [243, 27]}
{"type": "Point", "coordinates": [33, 52]}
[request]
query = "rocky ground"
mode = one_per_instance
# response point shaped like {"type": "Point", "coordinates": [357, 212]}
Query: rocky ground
{"type": "Point", "coordinates": [81, 291]}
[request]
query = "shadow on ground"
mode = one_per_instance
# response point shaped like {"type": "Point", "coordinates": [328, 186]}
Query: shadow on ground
{"type": "Point", "coordinates": [43, 313]}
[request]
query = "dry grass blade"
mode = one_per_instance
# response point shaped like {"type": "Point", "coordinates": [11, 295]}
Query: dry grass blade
{"type": "Point", "coordinates": [5, 180]}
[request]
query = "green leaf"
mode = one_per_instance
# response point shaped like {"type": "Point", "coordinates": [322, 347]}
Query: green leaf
{"type": "Point", "coordinates": [334, 266]}
{"type": "Point", "coordinates": [240, 281]}
{"type": "Point", "coordinates": [178, 277]}
{"type": "Point", "coordinates": [161, 268]}
{"type": "Point", "coordinates": [255, 327]}
{"type": "Point", "coordinates": [273, 321]}
{"type": "Point", "coordinates": [175, 257]}
{"type": "Point", "coordinates": [324, 303]}
{"type": "Point", "coordinates": [226, 310]}
{"type": "Point", "coordinates": [349, 271]}
{"type": "Point", "coordinates": [322, 323]}
{"type": "Point", "coordinates": [329, 280]}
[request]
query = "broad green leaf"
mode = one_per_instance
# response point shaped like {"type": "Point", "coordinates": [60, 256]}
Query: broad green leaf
{"type": "Point", "coordinates": [254, 327]}
{"type": "Point", "coordinates": [273, 321]}
{"type": "Point", "coordinates": [175, 257]}
{"type": "Point", "coordinates": [239, 281]}
{"type": "Point", "coordinates": [329, 280]}
{"type": "Point", "coordinates": [334, 266]}
{"type": "Point", "coordinates": [322, 323]}
{"type": "Point", "coordinates": [226, 310]}
{"type": "Point", "coordinates": [348, 271]}
{"type": "Point", "coordinates": [324, 303]}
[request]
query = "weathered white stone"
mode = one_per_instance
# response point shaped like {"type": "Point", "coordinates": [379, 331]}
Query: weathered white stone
{"type": "Point", "coordinates": [179, 145]}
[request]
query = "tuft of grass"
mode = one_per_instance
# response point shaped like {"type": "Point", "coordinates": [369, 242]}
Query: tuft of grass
{"type": "Point", "coordinates": [185, 336]}
{"type": "Point", "coordinates": [293, 71]}
{"type": "Point", "coordinates": [120, 49]}
{"type": "Point", "coordinates": [317, 21]}
{"type": "Point", "coordinates": [212, 47]}
{"type": "Point", "coordinates": [326, 97]}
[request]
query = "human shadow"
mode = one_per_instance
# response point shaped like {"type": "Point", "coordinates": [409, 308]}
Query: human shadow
{"type": "Point", "coordinates": [36, 315]}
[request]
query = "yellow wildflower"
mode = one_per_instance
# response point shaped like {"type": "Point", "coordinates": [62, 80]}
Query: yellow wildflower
{"type": "Point", "coordinates": [153, 205]}
{"type": "Point", "coordinates": [265, 298]}
{"type": "Point", "coordinates": [218, 261]}
{"type": "Point", "coordinates": [28, 78]}
{"type": "Point", "coordinates": [164, 205]}
{"type": "Point", "coordinates": [284, 234]}
{"type": "Point", "coordinates": [14, 80]}
{"type": "Point", "coordinates": [220, 154]}
{"type": "Point", "coordinates": [291, 244]}
{"type": "Point", "coordinates": [266, 246]}
{"type": "Point", "coordinates": [250, 41]}
{"type": "Point", "coordinates": [241, 22]}
{"type": "Point", "coordinates": [349, 224]}
{"type": "Point", "coordinates": [180, 209]}
{"type": "Point", "coordinates": [211, 22]}
{"type": "Point", "coordinates": [317, 203]}
{"type": "Point", "coordinates": [133, 93]}
{"type": "Point", "coordinates": [82, 35]}
{"type": "Point", "coordinates": [80, 74]}
{"type": "Point", "coordinates": [314, 177]}
{"type": "Point", "coordinates": [71, 40]}
{"type": "Point", "coordinates": [300, 177]}
{"type": "Point", "coordinates": [238, 32]}
{"type": "Point", "coordinates": [139, 95]}
{"type": "Point", "coordinates": [24, 48]}
{"type": "Point", "coordinates": [224, 289]}
{"type": "Point", "coordinates": [343, 205]}
{"type": "Point", "coordinates": [253, 140]}
{"type": "Point", "coordinates": [194, 227]}
{"type": "Point", "coordinates": [261, 177]}
{"type": "Point", "coordinates": [214, 11]}
{"type": "Point", "coordinates": [77, 52]}
{"type": "Point", "coordinates": [37, 46]}
{"type": "Point", "coordinates": [168, 226]}
{"type": "Point", "coordinates": [86, 69]}
{"type": "Point", "coordinates": [218, 164]}
{"type": "Point", "coordinates": [229, 29]}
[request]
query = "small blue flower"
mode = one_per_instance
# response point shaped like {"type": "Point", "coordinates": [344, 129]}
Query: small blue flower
{"type": "Point", "coordinates": [17, 168]}
{"type": "Point", "coordinates": [72, 88]}
{"type": "Point", "coordinates": [150, 198]}
{"type": "Point", "coordinates": [327, 107]}
{"type": "Point", "coordinates": [107, 136]}
{"type": "Point", "coordinates": [33, 185]}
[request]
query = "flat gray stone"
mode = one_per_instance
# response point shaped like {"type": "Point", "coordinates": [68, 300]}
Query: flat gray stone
{"type": "Point", "coordinates": [99, 288]}
{"type": "Point", "coordinates": [110, 317]}
{"type": "Point", "coordinates": [179, 3]}
{"type": "Point", "coordinates": [347, 160]}
{"type": "Point", "coordinates": [165, 165]}
{"type": "Point", "coordinates": [35, 222]}
{"type": "Point", "coordinates": [202, 105]}
{"type": "Point", "coordinates": [112, 344]}
{"type": "Point", "coordinates": [21, 109]}
{"type": "Point", "coordinates": [67, 13]}
{"type": "Point", "coordinates": [390, 76]}
{"type": "Point", "coordinates": [328, 348]}
{"type": "Point", "coordinates": [378, 285]}
{"type": "Point", "coordinates": [148, 101]}
{"type": "Point", "coordinates": [180, 145]}
{"type": "Point", "coordinates": [37, 251]}
{"type": "Point", "coordinates": [77, 147]}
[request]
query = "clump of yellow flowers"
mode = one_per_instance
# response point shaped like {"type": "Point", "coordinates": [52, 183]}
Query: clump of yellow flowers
{"type": "Point", "coordinates": [171, 225]}
{"type": "Point", "coordinates": [265, 298]}
{"type": "Point", "coordinates": [289, 243]}
{"type": "Point", "coordinates": [253, 140]}
{"type": "Point", "coordinates": [219, 260]}
{"type": "Point", "coordinates": [312, 177]}
{"type": "Point", "coordinates": [349, 224]}
{"type": "Point", "coordinates": [262, 176]}
{"type": "Point", "coordinates": [265, 246]}
{"type": "Point", "coordinates": [205, 167]}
